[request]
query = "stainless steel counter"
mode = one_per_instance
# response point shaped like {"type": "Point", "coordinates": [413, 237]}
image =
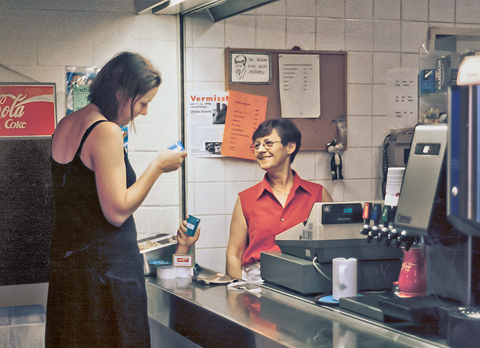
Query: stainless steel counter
{"type": "Point", "coordinates": [212, 316]}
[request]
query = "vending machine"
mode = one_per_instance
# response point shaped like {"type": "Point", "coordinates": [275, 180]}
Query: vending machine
{"type": "Point", "coordinates": [27, 121]}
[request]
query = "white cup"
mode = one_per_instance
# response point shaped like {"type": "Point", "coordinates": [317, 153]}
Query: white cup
{"type": "Point", "coordinates": [344, 274]}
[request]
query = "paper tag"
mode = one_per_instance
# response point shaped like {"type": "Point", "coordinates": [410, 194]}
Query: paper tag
{"type": "Point", "coordinates": [469, 71]}
{"type": "Point", "coordinates": [180, 260]}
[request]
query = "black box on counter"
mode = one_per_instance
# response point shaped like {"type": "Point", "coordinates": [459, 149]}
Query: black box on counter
{"type": "Point", "coordinates": [427, 81]}
{"type": "Point", "coordinates": [442, 73]}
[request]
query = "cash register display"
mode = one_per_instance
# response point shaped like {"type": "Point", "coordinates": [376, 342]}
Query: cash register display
{"type": "Point", "coordinates": [347, 213]}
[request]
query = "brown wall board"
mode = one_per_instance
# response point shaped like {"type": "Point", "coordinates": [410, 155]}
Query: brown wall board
{"type": "Point", "coordinates": [316, 132]}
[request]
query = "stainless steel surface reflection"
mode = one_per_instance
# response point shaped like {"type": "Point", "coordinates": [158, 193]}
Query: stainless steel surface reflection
{"type": "Point", "coordinates": [212, 316]}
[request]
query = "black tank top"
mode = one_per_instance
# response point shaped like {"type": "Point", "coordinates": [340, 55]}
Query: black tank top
{"type": "Point", "coordinates": [96, 295]}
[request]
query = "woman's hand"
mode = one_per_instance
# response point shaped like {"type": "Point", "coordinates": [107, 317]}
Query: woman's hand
{"type": "Point", "coordinates": [170, 160]}
{"type": "Point", "coordinates": [184, 240]}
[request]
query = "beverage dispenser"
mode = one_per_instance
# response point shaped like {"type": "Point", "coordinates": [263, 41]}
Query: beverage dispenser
{"type": "Point", "coordinates": [439, 211]}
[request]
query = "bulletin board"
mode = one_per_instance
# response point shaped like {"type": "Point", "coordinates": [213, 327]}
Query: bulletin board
{"type": "Point", "coordinates": [316, 132]}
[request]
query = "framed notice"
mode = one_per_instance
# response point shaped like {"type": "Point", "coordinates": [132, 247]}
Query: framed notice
{"type": "Point", "coordinates": [250, 67]}
{"type": "Point", "coordinates": [27, 109]}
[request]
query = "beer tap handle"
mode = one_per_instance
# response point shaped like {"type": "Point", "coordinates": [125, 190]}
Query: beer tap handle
{"type": "Point", "coordinates": [391, 219]}
{"type": "Point", "coordinates": [367, 213]}
{"type": "Point", "coordinates": [392, 236]}
{"type": "Point", "coordinates": [383, 232]}
{"type": "Point", "coordinates": [411, 241]}
{"type": "Point", "coordinates": [376, 211]}
{"type": "Point", "coordinates": [402, 237]}
{"type": "Point", "coordinates": [371, 234]}
{"type": "Point", "coordinates": [408, 243]}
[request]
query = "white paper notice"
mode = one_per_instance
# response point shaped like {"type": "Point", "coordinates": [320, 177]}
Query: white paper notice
{"type": "Point", "coordinates": [402, 98]}
{"type": "Point", "coordinates": [299, 83]}
{"type": "Point", "coordinates": [206, 114]}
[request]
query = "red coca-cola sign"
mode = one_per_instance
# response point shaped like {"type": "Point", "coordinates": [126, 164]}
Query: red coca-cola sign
{"type": "Point", "coordinates": [27, 110]}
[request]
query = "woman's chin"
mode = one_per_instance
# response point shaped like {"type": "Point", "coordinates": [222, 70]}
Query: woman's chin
{"type": "Point", "coordinates": [263, 164]}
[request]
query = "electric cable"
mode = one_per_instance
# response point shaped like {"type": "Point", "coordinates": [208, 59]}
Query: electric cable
{"type": "Point", "coordinates": [385, 165]}
{"type": "Point", "coordinates": [318, 269]}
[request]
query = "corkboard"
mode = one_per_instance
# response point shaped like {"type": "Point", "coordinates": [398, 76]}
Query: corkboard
{"type": "Point", "coordinates": [316, 133]}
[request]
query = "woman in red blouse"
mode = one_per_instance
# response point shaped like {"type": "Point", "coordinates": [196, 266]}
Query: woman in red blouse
{"type": "Point", "coordinates": [280, 201]}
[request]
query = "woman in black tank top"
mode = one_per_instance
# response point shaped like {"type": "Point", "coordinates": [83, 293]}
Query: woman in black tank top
{"type": "Point", "coordinates": [97, 294]}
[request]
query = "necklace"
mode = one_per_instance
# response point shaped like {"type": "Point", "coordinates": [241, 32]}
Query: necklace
{"type": "Point", "coordinates": [285, 193]}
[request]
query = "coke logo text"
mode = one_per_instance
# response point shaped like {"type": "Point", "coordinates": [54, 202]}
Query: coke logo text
{"type": "Point", "coordinates": [15, 110]}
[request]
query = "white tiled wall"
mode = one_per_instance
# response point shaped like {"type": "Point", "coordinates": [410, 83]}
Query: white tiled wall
{"type": "Point", "coordinates": [39, 38]}
{"type": "Point", "coordinates": [377, 34]}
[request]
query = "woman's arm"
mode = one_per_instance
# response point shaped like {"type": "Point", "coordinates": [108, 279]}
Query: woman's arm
{"type": "Point", "coordinates": [237, 242]}
{"type": "Point", "coordinates": [326, 196]}
{"type": "Point", "coordinates": [104, 146]}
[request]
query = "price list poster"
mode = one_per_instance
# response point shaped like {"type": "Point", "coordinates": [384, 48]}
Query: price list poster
{"type": "Point", "coordinates": [245, 112]}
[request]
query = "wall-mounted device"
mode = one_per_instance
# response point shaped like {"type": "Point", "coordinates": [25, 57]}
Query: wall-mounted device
{"type": "Point", "coordinates": [399, 146]}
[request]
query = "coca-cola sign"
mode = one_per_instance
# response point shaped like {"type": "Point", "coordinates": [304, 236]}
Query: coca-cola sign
{"type": "Point", "coordinates": [27, 109]}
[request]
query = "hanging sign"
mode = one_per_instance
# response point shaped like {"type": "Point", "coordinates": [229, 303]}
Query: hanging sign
{"type": "Point", "coordinates": [27, 109]}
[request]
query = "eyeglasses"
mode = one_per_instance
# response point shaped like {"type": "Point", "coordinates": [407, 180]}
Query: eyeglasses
{"type": "Point", "coordinates": [266, 144]}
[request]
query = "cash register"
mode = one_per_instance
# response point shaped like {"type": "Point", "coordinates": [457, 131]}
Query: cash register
{"type": "Point", "coordinates": [304, 264]}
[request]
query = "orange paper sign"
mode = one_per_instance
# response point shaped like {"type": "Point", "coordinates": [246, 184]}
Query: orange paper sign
{"type": "Point", "coordinates": [245, 112]}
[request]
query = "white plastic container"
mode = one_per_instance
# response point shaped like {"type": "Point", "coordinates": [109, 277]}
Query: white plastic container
{"type": "Point", "coordinates": [166, 272]}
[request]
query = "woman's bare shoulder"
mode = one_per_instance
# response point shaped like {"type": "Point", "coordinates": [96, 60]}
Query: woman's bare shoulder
{"type": "Point", "coordinates": [70, 130]}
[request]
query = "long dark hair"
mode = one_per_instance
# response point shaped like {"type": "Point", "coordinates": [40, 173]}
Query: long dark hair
{"type": "Point", "coordinates": [128, 73]}
{"type": "Point", "coordinates": [286, 129]}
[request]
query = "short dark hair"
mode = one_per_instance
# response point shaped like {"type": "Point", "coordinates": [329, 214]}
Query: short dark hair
{"type": "Point", "coordinates": [240, 59]}
{"type": "Point", "coordinates": [286, 129]}
{"type": "Point", "coordinates": [128, 73]}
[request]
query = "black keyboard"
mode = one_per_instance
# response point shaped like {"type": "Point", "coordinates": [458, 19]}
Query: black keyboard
{"type": "Point", "coordinates": [366, 305]}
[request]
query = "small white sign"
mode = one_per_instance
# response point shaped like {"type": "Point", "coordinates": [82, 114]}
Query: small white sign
{"type": "Point", "coordinates": [250, 67]}
{"type": "Point", "coordinates": [180, 260]}
{"type": "Point", "coordinates": [402, 98]}
{"type": "Point", "coordinates": [469, 71]}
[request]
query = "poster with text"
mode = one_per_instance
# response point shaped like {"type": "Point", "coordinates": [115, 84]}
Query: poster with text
{"type": "Point", "coordinates": [206, 115]}
{"type": "Point", "coordinates": [245, 113]}
{"type": "Point", "coordinates": [78, 81]}
{"type": "Point", "coordinates": [27, 109]}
